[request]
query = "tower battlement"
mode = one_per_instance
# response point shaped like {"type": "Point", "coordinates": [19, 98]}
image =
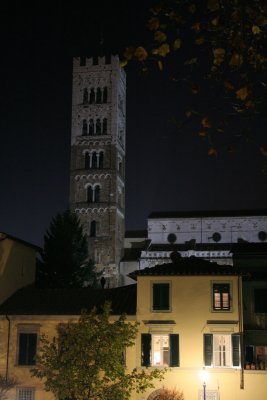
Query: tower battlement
{"type": "Point", "coordinates": [94, 62]}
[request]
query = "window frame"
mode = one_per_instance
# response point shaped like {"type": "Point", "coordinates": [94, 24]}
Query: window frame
{"type": "Point", "coordinates": [152, 302]}
{"type": "Point", "coordinates": [147, 350]}
{"type": "Point", "coordinates": [26, 329]}
{"type": "Point", "coordinates": [209, 350]}
{"type": "Point", "coordinates": [21, 388]}
{"type": "Point", "coordinates": [230, 296]}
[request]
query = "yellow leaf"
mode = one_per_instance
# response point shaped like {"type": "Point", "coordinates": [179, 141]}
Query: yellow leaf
{"type": "Point", "coordinates": [242, 93]}
{"type": "Point", "coordinates": [155, 51]}
{"type": "Point", "coordinates": [128, 53]}
{"type": "Point", "coordinates": [160, 36]}
{"type": "Point", "coordinates": [212, 152]}
{"type": "Point", "coordinates": [192, 8]}
{"type": "Point", "coordinates": [177, 44]}
{"type": "Point", "coordinates": [196, 27]}
{"type": "Point", "coordinates": [160, 65]}
{"type": "Point", "coordinates": [200, 40]}
{"type": "Point", "coordinates": [218, 55]}
{"type": "Point", "coordinates": [202, 134]}
{"type": "Point", "coordinates": [263, 150]}
{"type": "Point", "coordinates": [153, 23]}
{"type": "Point", "coordinates": [256, 29]}
{"type": "Point", "coordinates": [194, 89]}
{"type": "Point", "coordinates": [228, 85]}
{"type": "Point", "coordinates": [236, 60]}
{"type": "Point", "coordinates": [215, 21]}
{"type": "Point", "coordinates": [123, 63]}
{"type": "Point", "coordinates": [264, 169]}
{"type": "Point", "coordinates": [205, 122]}
{"type": "Point", "coordinates": [140, 53]}
{"type": "Point", "coordinates": [191, 61]}
{"type": "Point", "coordinates": [250, 104]}
{"type": "Point", "coordinates": [188, 113]}
{"type": "Point", "coordinates": [164, 49]}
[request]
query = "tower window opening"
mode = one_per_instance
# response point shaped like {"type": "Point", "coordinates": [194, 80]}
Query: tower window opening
{"type": "Point", "coordinates": [105, 95]}
{"type": "Point", "coordinates": [87, 161]}
{"type": "Point", "coordinates": [101, 160]}
{"type": "Point", "coordinates": [98, 127]}
{"type": "Point", "coordinates": [90, 197]}
{"type": "Point", "coordinates": [93, 229]}
{"type": "Point", "coordinates": [97, 194]}
{"type": "Point", "coordinates": [104, 127]}
{"type": "Point", "coordinates": [84, 128]}
{"type": "Point", "coordinates": [92, 96]}
{"type": "Point", "coordinates": [94, 160]}
{"type": "Point", "coordinates": [95, 60]}
{"type": "Point", "coordinates": [91, 127]}
{"type": "Point", "coordinates": [85, 96]}
{"type": "Point", "coordinates": [98, 95]}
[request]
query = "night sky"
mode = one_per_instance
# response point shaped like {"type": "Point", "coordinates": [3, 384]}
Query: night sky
{"type": "Point", "coordinates": [166, 169]}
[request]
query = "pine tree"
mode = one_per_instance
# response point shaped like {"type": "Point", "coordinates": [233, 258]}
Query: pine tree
{"type": "Point", "coordinates": [65, 256]}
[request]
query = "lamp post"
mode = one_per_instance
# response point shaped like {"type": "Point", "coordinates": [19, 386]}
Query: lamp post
{"type": "Point", "coordinates": [204, 377]}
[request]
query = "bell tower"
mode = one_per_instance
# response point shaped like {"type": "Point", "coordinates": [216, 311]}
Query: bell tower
{"type": "Point", "coordinates": [97, 176]}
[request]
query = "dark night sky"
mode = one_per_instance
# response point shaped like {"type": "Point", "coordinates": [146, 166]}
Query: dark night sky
{"type": "Point", "coordinates": [165, 169]}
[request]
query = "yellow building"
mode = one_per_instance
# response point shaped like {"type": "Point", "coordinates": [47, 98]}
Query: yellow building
{"type": "Point", "coordinates": [191, 320]}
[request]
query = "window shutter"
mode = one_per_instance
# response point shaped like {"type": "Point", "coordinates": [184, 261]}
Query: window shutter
{"type": "Point", "coordinates": [236, 350]}
{"type": "Point", "coordinates": [145, 349]}
{"type": "Point", "coordinates": [208, 349]}
{"type": "Point", "coordinates": [174, 350]}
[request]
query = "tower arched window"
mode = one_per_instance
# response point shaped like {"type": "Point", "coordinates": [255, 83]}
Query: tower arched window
{"type": "Point", "coordinates": [104, 126]}
{"type": "Point", "coordinates": [91, 127]}
{"type": "Point", "coordinates": [97, 194]}
{"type": "Point", "coordinates": [101, 160]}
{"type": "Point", "coordinates": [85, 96]}
{"type": "Point", "coordinates": [84, 128]}
{"type": "Point", "coordinates": [92, 96]}
{"type": "Point", "coordinates": [98, 95]}
{"type": "Point", "coordinates": [94, 160]}
{"type": "Point", "coordinates": [105, 95]}
{"type": "Point", "coordinates": [120, 167]}
{"type": "Point", "coordinates": [98, 127]}
{"type": "Point", "coordinates": [93, 229]}
{"type": "Point", "coordinates": [90, 197]}
{"type": "Point", "coordinates": [87, 161]}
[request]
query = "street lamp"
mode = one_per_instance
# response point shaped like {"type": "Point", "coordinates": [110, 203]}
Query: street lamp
{"type": "Point", "coordinates": [204, 377]}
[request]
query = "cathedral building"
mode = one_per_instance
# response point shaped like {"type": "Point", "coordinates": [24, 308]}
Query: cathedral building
{"type": "Point", "coordinates": [97, 174]}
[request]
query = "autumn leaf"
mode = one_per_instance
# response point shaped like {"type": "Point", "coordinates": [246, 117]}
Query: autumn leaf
{"type": "Point", "coordinates": [264, 169]}
{"type": "Point", "coordinates": [192, 8]}
{"type": "Point", "coordinates": [215, 21]}
{"type": "Point", "coordinates": [212, 152]}
{"type": "Point", "coordinates": [194, 89]}
{"type": "Point", "coordinates": [263, 150]}
{"type": "Point", "coordinates": [196, 27]}
{"type": "Point", "coordinates": [250, 104]}
{"type": "Point", "coordinates": [177, 44]}
{"type": "Point", "coordinates": [228, 85]}
{"type": "Point", "coordinates": [153, 23]}
{"type": "Point", "coordinates": [155, 51]}
{"type": "Point", "coordinates": [242, 93]}
{"type": "Point", "coordinates": [123, 63]}
{"type": "Point", "coordinates": [205, 122]}
{"type": "Point", "coordinates": [256, 29]}
{"type": "Point", "coordinates": [202, 134]}
{"type": "Point", "coordinates": [140, 53]}
{"type": "Point", "coordinates": [128, 53]}
{"type": "Point", "coordinates": [218, 55]}
{"type": "Point", "coordinates": [236, 60]}
{"type": "Point", "coordinates": [200, 40]}
{"type": "Point", "coordinates": [164, 49]}
{"type": "Point", "coordinates": [191, 61]}
{"type": "Point", "coordinates": [160, 36]}
{"type": "Point", "coordinates": [160, 65]}
{"type": "Point", "coordinates": [188, 113]}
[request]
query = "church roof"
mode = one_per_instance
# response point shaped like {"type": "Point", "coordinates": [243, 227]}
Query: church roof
{"type": "Point", "coordinates": [188, 266]}
{"type": "Point", "coordinates": [69, 301]}
{"type": "Point", "coordinates": [209, 213]}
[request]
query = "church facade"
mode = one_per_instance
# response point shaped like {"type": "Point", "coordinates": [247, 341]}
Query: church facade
{"type": "Point", "coordinates": [97, 174]}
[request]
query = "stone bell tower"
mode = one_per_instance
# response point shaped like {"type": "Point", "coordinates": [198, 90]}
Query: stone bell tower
{"type": "Point", "coordinates": [97, 176]}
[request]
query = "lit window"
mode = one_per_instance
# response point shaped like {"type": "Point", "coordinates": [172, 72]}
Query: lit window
{"type": "Point", "coordinates": [221, 296]}
{"type": "Point", "coordinates": [160, 350]}
{"type": "Point", "coordinates": [222, 350]}
{"type": "Point", "coordinates": [161, 297]}
{"type": "Point", "coordinates": [256, 357]}
{"type": "Point", "coordinates": [25, 393]}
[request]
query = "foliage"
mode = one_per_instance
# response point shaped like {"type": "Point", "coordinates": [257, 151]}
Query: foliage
{"type": "Point", "coordinates": [85, 360]}
{"type": "Point", "coordinates": [5, 385]}
{"type": "Point", "coordinates": [170, 394]}
{"type": "Point", "coordinates": [219, 50]}
{"type": "Point", "coordinates": [65, 256]}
